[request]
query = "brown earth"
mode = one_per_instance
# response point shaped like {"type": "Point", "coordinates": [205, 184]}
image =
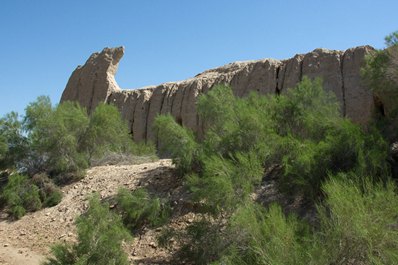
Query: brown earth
{"type": "Point", "coordinates": [28, 240]}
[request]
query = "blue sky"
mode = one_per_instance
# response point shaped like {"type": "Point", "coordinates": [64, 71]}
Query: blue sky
{"type": "Point", "coordinates": [42, 42]}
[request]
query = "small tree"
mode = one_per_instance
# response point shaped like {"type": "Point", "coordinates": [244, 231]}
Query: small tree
{"type": "Point", "coordinates": [176, 141]}
{"type": "Point", "coordinates": [106, 132]}
{"type": "Point", "coordinates": [13, 143]}
{"type": "Point", "coordinates": [100, 237]}
{"type": "Point", "coordinates": [381, 74]}
{"type": "Point", "coordinates": [21, 196]}
{"type": "Point", "coordinates": [139, 210]}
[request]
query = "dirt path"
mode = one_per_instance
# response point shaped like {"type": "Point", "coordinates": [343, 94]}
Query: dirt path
{"type": "Point", "coordinates": [27, 240]}
{"type": "Point", "coordinates": [10, 255]}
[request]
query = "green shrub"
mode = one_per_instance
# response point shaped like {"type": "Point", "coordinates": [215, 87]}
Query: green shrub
{"type": "Point", "coordinates": [313, 140]}
{"type": "Point", "coordinates": [344, 148]}
{"type": "Point", "coordinates": [358, 222]}
{"type": "Point", "coordinates": [267, 237]}
{"type": "Point", "coordinates": [139, 210]}
{"type": "Point", "coordinates": [64, 140]}
{"type": "Point", "coordinates": [100, 237]}
{"type": "Point", "coordinates": [225, 183]}
{"type": "Point", "coordinates": [303, 131]}
{"type": "Point", "coordinates": [3, 147]}
{"type": "Point", "coordinates": [13, 143]}
{"type": "Point", "coordinates": [36, 112]}
{"type": "Point", "coordinates": [60, 135]}
{"type": "Point", "coordinates": [50, 194]}
{"type": "Point", "coordinates": [202, 243]}
{"type": "Point", "coordinates": [381, 75]}
{"type": "Point", "coordinates": [176, 141]}
{"type": "Point", "coordinates": [21, 196]}
{"type": "Point", "coordinates": [380, 68]}
{"type": "Point", "coordinates": [106, 132]}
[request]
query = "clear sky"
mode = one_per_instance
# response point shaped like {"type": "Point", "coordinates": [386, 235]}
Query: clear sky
{"type": "Point", "coordinates": [42, 42]}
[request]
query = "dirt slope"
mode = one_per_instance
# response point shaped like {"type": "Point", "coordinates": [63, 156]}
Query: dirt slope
{"type": "Point", "coordinates": [27, 240]}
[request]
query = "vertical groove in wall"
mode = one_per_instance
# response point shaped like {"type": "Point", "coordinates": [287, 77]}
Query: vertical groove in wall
{"type": "Point", "coordinates": [108, 99]}
{"type": "Point", "coordinates": [133, 120]}
{"type": "Point", "coordinates": [301, 69]}
{"type": "Point", "coordinates": [277, 89]}
{"type": "Point", "coordinates": [282, 83]}
{"type": "Point", "coordinates": [146, 118]}
{"type": "Point", "coordinates": [173, 98]}
{"type": "Point", "coordinates": [164, 94]}
{"type": "Point", "coordinates": [342, 56]}
{"type": "Point", "coordinates": [90, 106]}
{"type": "Point", "coordinates": [179, 118]}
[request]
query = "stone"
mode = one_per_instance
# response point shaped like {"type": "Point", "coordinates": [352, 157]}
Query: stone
{"type": "Point", "coordinates": [358, 96]}
{"type": "Point", "coordinates": [326, 64]}
{"type": "Point", "coordinates": [94, 83]}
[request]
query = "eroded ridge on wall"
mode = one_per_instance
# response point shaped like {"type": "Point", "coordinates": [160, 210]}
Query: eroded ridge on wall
{"type": "Point", "coordinates": [94, 82]}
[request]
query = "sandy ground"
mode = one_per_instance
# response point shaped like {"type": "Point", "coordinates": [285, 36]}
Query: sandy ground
{"type": "Point", "coordinates": [10, 255]}
{"type": "Point", "coordinates": [27, 240]}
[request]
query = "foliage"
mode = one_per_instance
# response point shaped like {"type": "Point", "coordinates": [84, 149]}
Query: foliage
{"type": "Point", "coordinates": [381, 74]}
{"type": "Point", "coordinates": [225, 183]}
{"type": "Point", "coordinates": [13, 143]}
{"type": "Point", "coordinates": [100, 237]}
{"type": "Point", "coordinates": [357, 225]}
{"type": "Point", "coordinates": [64, 140]}
{"type": "Point", "coordinates": [106, 132]}
{"type": "Point", "coordinates": [204, 242]}
{"type": "Point", "coordinates": [139, 210]}
{"type": "Point", "coordinates": [380, 70]}
{"type": "Point", "coordinates": [50, 194]}
{"type": "Point", "coordinates": [301, 130]}
{"type": "Point", "coordinates": [57, 144]}
{"type": "Point", "coordinates": [37, 111]}
{"type": "Point", "coordinates": [267, 237]}
{"type": "Point", "coordinates": [358, 222]}
{"type": "Point", "coordinates": [21, 196]}
{"type": "Point", "coordinates": [3, 147]}
{"type": "Point", "coordinates": [58, 137]}
{"type": "Point", "coordinates": [175, 141]}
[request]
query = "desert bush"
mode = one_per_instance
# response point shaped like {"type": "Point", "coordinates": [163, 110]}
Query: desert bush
{"type": "Point", "coordinates": [202, 243]}
{"type": "Point", "coordinates": [176, 141]}
{"type": "Point", "coordinates": [225, 183]}
{"type": "Point", "coordinates": [3, 147]}
{"type": "Point", "coordinates": [59, 137]}
{"type": "Point", "coordinates": [100, 237]}
{"type": "Point", "coordinates": [302, 130]}
{"type": "Point", "coordinates": [50, 194]}
{"type": "Point", "coordinates": [64, 140]}
{"type": "Point", "coordinates": [357, 222]}
{"type": "Point", "coordinates": [357, 225]}
{"type": "Point", "coordinates": [21, 196]}
{"type": "Point", "coordinates": [138, 209]}
{"type": "Point", "coordinates": [266, 237]}
{"type": "Point", "coordinates": [106, 133]}
{"type": "Point", "coordinates": [380, 70]}
{"type": "Point", "coordinates": [381, 74]}
{"type": "Point", "coordinates": [344, 148]}
{"type": "Point", "coordinates": [312, 140]}
{"type": "Point", "coordinates": [13, 143]}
